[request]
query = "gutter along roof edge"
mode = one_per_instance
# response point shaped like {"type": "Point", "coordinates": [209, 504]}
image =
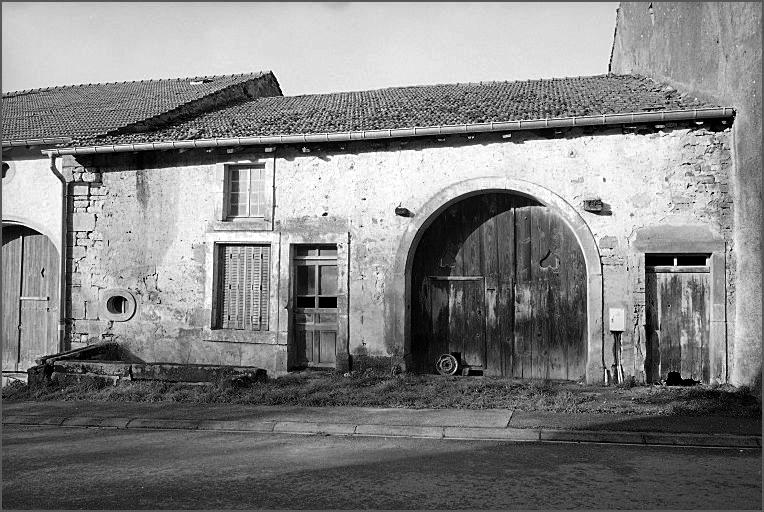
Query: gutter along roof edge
{"type": "Point", "coordinates": [35, 142]}
{"type": "Point", "coordinates": [534, 124]}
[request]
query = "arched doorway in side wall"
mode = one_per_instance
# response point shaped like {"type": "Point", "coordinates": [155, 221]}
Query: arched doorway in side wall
{"type": "Point", "coordinates": [501, 279]}
{"type": "Point", "coordinates": [30, 297]}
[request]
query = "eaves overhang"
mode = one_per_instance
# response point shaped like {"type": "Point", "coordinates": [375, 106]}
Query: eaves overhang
{"type": "Point", "coordinates": [45, 141]}
{"type": "Point", "coordinates": [504, 126]}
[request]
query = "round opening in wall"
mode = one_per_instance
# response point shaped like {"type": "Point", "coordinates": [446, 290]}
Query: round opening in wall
{"type": "Point", "coordinates": [117, 305]}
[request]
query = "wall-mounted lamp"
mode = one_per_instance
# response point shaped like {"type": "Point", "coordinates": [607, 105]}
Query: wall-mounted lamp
{"type": "Point", "coordinates": [403, 212]}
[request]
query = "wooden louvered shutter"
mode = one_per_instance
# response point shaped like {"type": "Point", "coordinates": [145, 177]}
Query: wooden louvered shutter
{"type": "Point", "coordinates": [233, 281]}
{"type": "Point", "coordinates": [244, 297]}
{"type": "Point", "coordinates": [263, 263]}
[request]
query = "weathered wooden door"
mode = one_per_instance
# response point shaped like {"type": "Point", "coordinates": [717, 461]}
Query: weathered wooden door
{"type": "Point", "coordinates": [315, 305]}
{"type": "Point", "coordinates": [677, 315]}
{"type": "Point", "coordinates": [29, 297]}
{"type": "Point", "coordinates": [455, 306]}
{"type": "Point", "coordinates": [550, 298]}
{"type": "Point", "coordinates": [532, 306]}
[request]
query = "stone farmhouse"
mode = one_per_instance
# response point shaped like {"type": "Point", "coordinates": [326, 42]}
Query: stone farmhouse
{"type": "Point", "coordinates": [573, 228]}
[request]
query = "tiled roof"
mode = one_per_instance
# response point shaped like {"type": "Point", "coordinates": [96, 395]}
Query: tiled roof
{"type": "Point", "coordinates": [87, 110]}
{"type": "Point", "coordinates": [420, 106]}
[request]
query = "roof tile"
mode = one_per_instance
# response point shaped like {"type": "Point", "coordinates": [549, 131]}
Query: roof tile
{"type": "Point", "coordinates": [419, 106]}
{"type": "Point", "coordinates": [90, 109]}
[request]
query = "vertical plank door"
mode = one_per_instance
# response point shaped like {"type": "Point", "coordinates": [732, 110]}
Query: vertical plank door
{"type": "Point", "coordinates": [38, 300]}
{"type": "Point", "coordinates": [11, 291]}
{"type": "Point", "coordinates": [678, 321]}
{"type": "Point", "coordinates": [458, 318]}
{"type": "Point", "coordinates": [534, 298]}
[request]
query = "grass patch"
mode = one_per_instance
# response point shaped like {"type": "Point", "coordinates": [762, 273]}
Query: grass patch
{"type": "Point", "coordinates": [379, 389]}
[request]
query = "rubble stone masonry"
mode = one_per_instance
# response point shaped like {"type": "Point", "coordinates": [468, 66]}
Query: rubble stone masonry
{"type": "Point", "coordinates": [143, 222]}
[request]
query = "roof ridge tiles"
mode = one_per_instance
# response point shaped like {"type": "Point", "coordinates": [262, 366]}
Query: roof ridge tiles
{"type": "Point", "coordinates": [255, 74]}
{"type": "Point", "coordinates": [452, 84]}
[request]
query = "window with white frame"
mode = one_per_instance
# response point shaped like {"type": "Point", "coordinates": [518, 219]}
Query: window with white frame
{"type": "Point", "coordinates": [246, 191]}
{"type": "Point", "coordinates": [243, 299]}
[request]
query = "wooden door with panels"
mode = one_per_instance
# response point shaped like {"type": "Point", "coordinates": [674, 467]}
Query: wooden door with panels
{"type": "Point", "coordinates": [30, 297]}
{"type": "Point", "coordinates": [315, 288]}
{"type": "Point", "coordinates": [677, 316]}
{"type": "Point", "coordinates": [500, 279]}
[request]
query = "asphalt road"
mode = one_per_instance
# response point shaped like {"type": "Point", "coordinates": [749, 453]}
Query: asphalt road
{"type": "Point", "coordinates": [77, 468]}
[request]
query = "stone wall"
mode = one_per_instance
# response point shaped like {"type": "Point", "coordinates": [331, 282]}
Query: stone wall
{"type": "Point", "coordinates": [712, 50]}
{"type": "Point", "coordinates": [148, 220]}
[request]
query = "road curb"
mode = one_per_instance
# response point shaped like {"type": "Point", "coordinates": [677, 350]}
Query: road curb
{"type": "Point", "coordinates": [400, 431]}
{"type": "Point", "coordinates": [411, 431]}
{"type": "Point", "coordinates": [237, 425]}
{"type": "Point", "coordinates": [492, 434]}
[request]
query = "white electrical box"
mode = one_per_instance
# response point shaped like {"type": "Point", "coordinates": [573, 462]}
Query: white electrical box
{"type": "Point", "coordinates": [616, 319]}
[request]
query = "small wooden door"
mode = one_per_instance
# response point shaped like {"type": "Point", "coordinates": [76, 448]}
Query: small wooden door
{"type": "Point", "coordinates": [30, 294]}
{"type": "Point", "coordinates": [455, 306]}
{"type": "Point", "coordinates": [677, 314]}
{"type": "Point", "coordinates": [315, 305]}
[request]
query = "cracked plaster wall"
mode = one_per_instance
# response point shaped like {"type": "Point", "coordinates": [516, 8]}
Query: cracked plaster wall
{"type": "Point", "coordinates": [152, 211]}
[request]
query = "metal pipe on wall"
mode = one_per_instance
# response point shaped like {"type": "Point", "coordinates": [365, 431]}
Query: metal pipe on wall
{"type": "Point", "coordinates": [62, 266]}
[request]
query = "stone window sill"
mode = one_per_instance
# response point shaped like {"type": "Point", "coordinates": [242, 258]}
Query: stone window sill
{"type": "Point", "coordinates": [241, 225]}
{"type": "Point", "coordinates": [237, 336]}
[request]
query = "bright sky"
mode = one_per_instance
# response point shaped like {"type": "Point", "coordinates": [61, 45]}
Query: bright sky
{"type": "Point", "coordinates": [311, 47]}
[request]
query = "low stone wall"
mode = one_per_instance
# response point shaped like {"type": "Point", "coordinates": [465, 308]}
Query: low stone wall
{"type": "Point", "coordinates": [66, 372]}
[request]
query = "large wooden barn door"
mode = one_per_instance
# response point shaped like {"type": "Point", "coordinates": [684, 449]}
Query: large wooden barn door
{"type": "Point", "coordinates": [677, 314]}
{"type": "Point", "coordinates": [550, 303]}
{"type": "Point", "coordinates": [455, 306]}
{"type": "Point", "coordinates": [532, 305]}
{"type": "Point", "coordinates": [30, 297]}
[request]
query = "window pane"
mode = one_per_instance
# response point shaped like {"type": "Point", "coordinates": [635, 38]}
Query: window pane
{"type": "Point", "coordinates": [328, 251]}
{"type": "Point", "coordinates": [305, 302]}
{"type": "Point", "coordinates": [305, 280]}
{"type": "Point", "coordinates": [305, 250]}
{"type": "Point", "coordinates": [659, 260]}
{"type": "Point", "coordinates": [237, 206]}
{"type": "Point", "coordinates": [256, 190]}
{"type": "Point", "coordinates": [256, 203]}
{"type": "Point", "coordinates": [327, 302]}
{"type": "Point", "coordinates": [238, 179]}
{"type": "Point", "coordinates": [691, 260]}
{"type": "Point", "coordinates": [328, 279]}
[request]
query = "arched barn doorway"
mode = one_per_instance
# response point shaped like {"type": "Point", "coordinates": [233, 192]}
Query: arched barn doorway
{"type": "Point", "coordinates": [501, 279]}
{"type": "Point", "coordinates": [30, 297]}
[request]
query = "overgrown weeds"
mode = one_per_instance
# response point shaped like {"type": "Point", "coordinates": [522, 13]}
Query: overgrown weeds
{"type": "Point", "coordinates": [380, 389]}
